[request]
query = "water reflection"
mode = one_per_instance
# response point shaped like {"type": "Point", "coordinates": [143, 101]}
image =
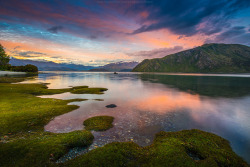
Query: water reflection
{"type": "Point", "coordinates": [149, 103]}
{"type": "Point", "coordinates": [216, 86]}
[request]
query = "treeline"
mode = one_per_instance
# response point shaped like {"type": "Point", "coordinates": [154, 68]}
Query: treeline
{"type": "Point", "coordinates": [26, 68]}
{"type": "Point", "coordinates": [5, 66]}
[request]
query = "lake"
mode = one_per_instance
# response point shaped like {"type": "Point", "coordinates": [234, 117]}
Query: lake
{"type": "Point", "coordinates": [149, 103]}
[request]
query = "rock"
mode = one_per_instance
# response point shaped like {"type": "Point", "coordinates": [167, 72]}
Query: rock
{"type": "Point", "coordinates": [147, 140]}
{"type": "Point", "coordinates": [111, 106]}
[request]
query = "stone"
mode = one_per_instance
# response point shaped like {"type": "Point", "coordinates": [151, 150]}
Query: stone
{"type": "Point", "coordinates": [111, 106]}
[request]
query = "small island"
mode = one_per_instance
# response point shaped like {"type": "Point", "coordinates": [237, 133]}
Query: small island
{"type": "Point", "coordinates": [99, 123]}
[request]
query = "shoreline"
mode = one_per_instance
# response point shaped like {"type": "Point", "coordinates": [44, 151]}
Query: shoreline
{"type": "Point", "coordinates": [3, 73]}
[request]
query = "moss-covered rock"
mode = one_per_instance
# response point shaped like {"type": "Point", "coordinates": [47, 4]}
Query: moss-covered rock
{"type": "Point", "coordinates": [99, 123]}
{"type": "Point", "coordinates": [183, 148]}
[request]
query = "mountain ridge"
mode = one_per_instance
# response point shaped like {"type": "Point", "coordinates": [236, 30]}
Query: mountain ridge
{"type": "Point", "coordinates": [120, 66]}
{"type": "Point", "coordinates": [51, 66]}
{"type": "Point", "coordinates": [215, 58]}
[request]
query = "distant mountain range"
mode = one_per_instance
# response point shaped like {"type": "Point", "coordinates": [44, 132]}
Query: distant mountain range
{"type": "Point", "coordinates": [120, 66]}
{"type": "Point", "coordinates": [51, 66]}
{"type": "Point", "coordinates": [208, 58]}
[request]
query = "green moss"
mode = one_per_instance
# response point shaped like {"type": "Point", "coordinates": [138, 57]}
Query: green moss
{"type": "Point", "coordinates": [22, 120]}
{"type": "Point", "coordinates": [114, 154]}
{"type": "Point", "coordinates": [183, 148]}
{"type": "Point", "coordinates": [88, 90]}
{"type": "Point", "coordinates": [98, 99]}
{"type": "Point", "coordinates": [75, 100]}
{"type": "Point", "coordinates": [22, 111]}
{"type": "Point", "coordinates": [41, 89]}
{"type": "Point", "coordinates": [99, 123]}
{"type": "Point", "coordinates": [41, 149]}
{"type": "Point", "coordinates": [79, 87]}
{"type": "Point", "coordinates": [10, 80]}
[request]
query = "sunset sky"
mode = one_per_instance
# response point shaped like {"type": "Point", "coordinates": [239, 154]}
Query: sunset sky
{"type": "Point", "coordinates": [97, 32]}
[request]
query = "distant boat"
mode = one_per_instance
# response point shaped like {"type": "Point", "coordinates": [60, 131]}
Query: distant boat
{"type": "Point", "coordinates": [115, 73]}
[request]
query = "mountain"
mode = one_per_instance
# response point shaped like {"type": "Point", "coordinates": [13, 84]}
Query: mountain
{"type": "Point", "coordinates": [50, 66]}
{"type": "Point", "coordinates": [98, 70]}
{"type": "Point", "coordinates": [120, 66]}
{"type": "Point", "coordinates": [208, 58]}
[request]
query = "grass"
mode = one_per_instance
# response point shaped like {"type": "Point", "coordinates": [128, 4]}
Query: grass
{"type": "Point", "coordinates": [22, 120]}
{"type": "Point", "coordinates": [11, 79]}
{"type": "Point", "coordinates": [189, 148]}
{"type": "Point", "coordinates": [87, 90]}
{"type": "Point", "coordinates": [41, 149]}
{"type": "Point", "coordinates": [42, 89]}
{"type": "Point", "coordinates": [99, 123]}
{"type": "Point", "coordinates": [98, 99]}
{"type": "Point", "coordinates": [22, 111]}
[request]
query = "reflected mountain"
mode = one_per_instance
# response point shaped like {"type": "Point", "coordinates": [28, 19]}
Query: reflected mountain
{"type": "Point", "coordinates": [213, 86]}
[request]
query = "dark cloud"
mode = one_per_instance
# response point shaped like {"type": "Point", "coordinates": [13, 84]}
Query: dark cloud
{"type": "Point", "coordinates": [237, 34]}
{"type": "Point", "coordinates": [183, 17]}
{"type": "Point", "coordinates": [157, 53]}
{"type": "Point", "coordinates": [93, 37]}
{"type": "Point", "coordinates": [55, 29]}
{"type": "Point", "coordinates": [27, 53]}
{"type": "Point", "coordinates": [233, 32]}
{"type": "Point", "coordinates": [113, 20]}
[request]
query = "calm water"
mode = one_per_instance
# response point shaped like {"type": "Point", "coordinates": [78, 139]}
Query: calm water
{"type": "Point", "coordinates": [149, 103]}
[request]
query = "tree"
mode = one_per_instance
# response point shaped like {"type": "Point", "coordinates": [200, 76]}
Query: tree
{"type": "Point", "coordinates": [26, 68]}
{"type": "Point", "coordinates": [30, 68]}
{"type": "Point", "coordinates": [4, 59]}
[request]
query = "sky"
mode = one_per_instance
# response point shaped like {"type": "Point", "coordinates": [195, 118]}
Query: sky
{"type": "Point", "coordinates": [98, 32]}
